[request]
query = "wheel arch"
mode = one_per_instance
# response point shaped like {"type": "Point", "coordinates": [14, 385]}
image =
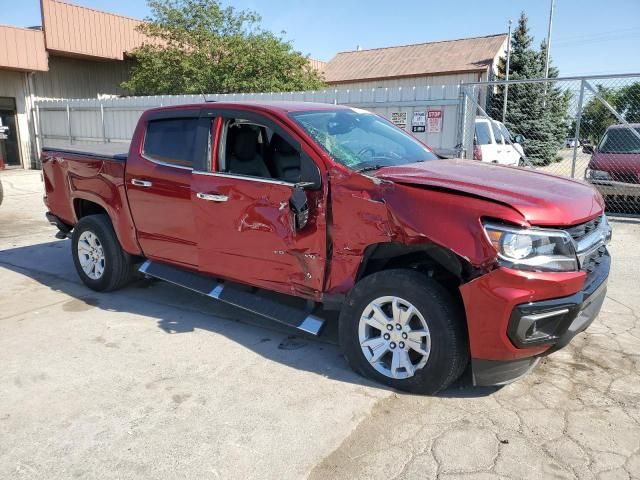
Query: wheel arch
{"type": "Point", "coordinates": [85, 204]}
{"type": "Point", "coordinates": [83, 207]}
{"type": "Point", "coordinates": [427, 257]}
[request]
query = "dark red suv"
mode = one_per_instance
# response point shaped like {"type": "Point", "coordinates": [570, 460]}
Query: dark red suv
{"type": "Point", "coordinates": [614, 168]}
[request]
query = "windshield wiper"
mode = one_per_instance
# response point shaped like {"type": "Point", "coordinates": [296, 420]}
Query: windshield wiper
{"type": "Point", "coordinates": [370, 168]}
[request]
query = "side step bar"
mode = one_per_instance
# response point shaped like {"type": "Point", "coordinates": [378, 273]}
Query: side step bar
{"type": "Point", "coordinates": [260, 302]}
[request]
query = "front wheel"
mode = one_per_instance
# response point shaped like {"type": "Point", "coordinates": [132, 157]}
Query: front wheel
{"type": "Point", "coordinates": [98, 257]}
{"type": "Point", "coordinates": [405, 330]}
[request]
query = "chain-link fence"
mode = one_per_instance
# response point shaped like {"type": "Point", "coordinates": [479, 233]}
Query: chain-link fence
{"type": "Point", "coordinates": [584, 128]}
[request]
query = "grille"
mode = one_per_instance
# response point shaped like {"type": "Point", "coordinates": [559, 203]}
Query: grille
{"type": "Point", "coordinates": [591, 262]}
{"type": "Point", "coordinates": [626, 177]}
{"type": "Point", "coordinates": [578, 232]}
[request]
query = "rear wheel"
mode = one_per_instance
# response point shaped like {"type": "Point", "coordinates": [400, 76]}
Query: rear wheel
{"type": "Point", "coordinates": [404, 330]}
{"type": "Point", "coordinates": [99, 260]}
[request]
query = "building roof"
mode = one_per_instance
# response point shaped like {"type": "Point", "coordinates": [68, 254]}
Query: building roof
{"type": "Point", "coordinates": [73, 30]}
{"type": "Point", "coordinates": [22, 49]}
{"type": "Point", "coordinates": [317, 65]}
{"type": "Point", "coordinates": [434, 58]}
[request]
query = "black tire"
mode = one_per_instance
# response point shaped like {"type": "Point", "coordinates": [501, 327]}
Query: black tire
{"type": "Point", "coordinates": [444, 316]}
{"type": "Point", "coordinates": [118, 265]}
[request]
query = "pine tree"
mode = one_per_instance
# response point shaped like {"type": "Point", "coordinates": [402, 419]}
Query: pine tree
{"type": "Point", "coordinates": [536, 111]}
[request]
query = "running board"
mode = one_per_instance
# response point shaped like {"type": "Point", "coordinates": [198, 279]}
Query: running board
{"type": "Point", "coordinates": [261, 302]}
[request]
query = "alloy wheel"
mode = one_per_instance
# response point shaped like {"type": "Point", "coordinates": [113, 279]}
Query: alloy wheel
{"type": "Point", "coordinates": [394, 337]}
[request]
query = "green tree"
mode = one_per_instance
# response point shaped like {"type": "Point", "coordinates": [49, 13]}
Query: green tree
{"type": "Point", "coordinates": [596, 117]}
{"type": "Point", "coordinates": [628, 102]}
{"type": "Point", "coordinates": [200, 46]}
{"type": "Point", "coordinates": [537, 111]}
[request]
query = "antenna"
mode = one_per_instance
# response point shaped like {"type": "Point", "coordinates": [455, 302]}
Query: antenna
{"type": "Point", "coordinates": [204, 97]}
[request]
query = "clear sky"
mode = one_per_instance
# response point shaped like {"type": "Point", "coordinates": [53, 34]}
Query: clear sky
{"type": "Point", "coordinates": [589, 36]}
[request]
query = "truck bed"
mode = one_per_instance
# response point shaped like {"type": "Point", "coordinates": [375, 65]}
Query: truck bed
{"type": "Point", "coordinates": [110, 151]}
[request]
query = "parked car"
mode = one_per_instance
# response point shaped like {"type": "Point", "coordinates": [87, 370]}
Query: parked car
{"type": "Point", "coordinates": [493, 143]}
{"type": "Point", "coordinates": [571, 143]}
{"type": "Point", "coordinates": [614, 168]}
{"type": "Point", "coordinates": [285, 209]}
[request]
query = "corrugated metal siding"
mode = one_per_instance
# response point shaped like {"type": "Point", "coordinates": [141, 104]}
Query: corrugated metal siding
{"type": "Point", "coordinates": [76, 78]}
{"type": "Point", "coordinates": [13, 84]}
{"type": "Point", "coordinates": [22, 49]}
{"type": "Point", "coordinates": [439, 92]}
{"type": "Point", "coordinates": [71, 29]}
{"type": "Point", "coordinates": [435, 83]}
{"type": "Point", "coordinates": [122, 114]}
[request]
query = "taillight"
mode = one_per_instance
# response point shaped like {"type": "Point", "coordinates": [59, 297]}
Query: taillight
{"type": "Point", "coordinates": [477, 152]}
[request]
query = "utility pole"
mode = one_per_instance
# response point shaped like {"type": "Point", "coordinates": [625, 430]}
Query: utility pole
{"type": "Point", "coordinates": [548, 53]}
{"type": "Point", "coordinates": [506, 76]}
{"type": "Point", "coordinates": [546, 63]}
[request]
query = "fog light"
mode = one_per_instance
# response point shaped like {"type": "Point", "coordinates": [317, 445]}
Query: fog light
{"type": "Point", "coordinates": [537, 327]}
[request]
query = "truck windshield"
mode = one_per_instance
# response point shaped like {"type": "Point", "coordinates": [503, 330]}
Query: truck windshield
{"type": "Point", "coordinates": [361, 140]}
{"type": "Point", "coordinates": [620, 140]}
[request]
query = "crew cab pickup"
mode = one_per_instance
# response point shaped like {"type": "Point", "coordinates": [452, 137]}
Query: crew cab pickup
{"type": "Point", "coordinates": [291, 210]}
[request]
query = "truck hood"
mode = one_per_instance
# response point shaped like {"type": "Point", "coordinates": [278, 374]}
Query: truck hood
{"type": "Point", "coordinates": [616, 162]}
{"type": "Point", "coordinates": [541, 198]}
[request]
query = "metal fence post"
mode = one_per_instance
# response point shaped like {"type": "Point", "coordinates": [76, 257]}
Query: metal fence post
{"type": "Point", "coordinates": [37, 128]}
{"type": "Point", "coordinates": [577, 133]}
{"type": "Point", "coordinates": [69, 124]}
{"type": "Point", "coordinates": [104, 135]}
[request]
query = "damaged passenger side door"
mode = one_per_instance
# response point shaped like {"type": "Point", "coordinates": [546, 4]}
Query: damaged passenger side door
{"type": "Point", "coordinates": [254, 227]}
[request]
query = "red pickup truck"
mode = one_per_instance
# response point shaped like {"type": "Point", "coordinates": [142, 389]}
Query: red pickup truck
{"type": "Point", "coordinates": [293, 209]}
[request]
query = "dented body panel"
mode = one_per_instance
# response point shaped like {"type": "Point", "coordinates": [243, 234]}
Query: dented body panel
{"type": "Point", "coordinates": [250, 237]}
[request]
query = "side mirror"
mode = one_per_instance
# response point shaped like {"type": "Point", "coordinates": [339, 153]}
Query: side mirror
{"type": "Point", "coordinates": [588, 149]}
{"type": "Point", "coordinates": [309, 173]}
{"type": "Point", "coordinates": [299, 207]}
{"type": "Point", "coordinates": [519, 139]}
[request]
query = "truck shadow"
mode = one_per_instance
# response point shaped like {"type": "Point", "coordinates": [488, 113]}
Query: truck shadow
{"type": "Point", "coordinates": [179, 311]}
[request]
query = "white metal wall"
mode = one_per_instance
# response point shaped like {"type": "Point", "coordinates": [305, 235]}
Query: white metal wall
{"type": "Point", "coordinates": [79, 78]}
{"type": "Point", "coordinates": [113, 120]}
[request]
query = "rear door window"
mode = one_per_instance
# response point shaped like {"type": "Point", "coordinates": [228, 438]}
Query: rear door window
{"type": "Point", "coordinates": [505, 133]}
{"type": "Point", "coordinates": [172, 141]}
{"type": "Point", "coordinates": [483, 135]}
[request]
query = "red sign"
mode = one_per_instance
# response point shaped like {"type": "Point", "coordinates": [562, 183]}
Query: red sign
{"type": "Point", "coordinates": [434, 121]}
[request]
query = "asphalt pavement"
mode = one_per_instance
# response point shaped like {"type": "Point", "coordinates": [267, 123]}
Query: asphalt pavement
{"type": "Point", "coordinates": [156, 382]}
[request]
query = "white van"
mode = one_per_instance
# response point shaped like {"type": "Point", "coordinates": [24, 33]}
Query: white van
{"type": "Point", "coordinates": [493, 143]}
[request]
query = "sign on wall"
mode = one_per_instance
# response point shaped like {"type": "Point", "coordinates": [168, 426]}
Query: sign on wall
{"type": "Point", "coordinates": [434, 121]}
{"type": "Point", "coordinates": [418, 122]}
{"type": "Point", "coordinates": [399, 119]}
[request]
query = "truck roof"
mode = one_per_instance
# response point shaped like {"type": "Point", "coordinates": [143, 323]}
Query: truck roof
{"type": "Point", "coordinates": [280, 106]}
{"type": "Point", "coordinates": [620, 125]}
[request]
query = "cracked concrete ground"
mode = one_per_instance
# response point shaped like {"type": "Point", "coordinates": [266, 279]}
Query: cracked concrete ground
{"type": "Point", "coordinates": [155, 382]}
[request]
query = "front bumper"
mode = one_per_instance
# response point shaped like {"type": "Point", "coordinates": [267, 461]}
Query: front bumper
{"type": "Point", "coordinates": [532, 315]}
{"type": "Point", "coordinates": [610, 188]}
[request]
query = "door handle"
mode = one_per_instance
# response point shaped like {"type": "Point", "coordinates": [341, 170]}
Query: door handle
{"type": "Point", "coordinates": [212, 197]}
{"type": "Point", "coordinates": [141, 183]}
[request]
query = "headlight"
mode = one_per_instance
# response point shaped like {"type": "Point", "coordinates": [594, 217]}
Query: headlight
{"type": "Point", "coordinates": [597, 175]}
{"type": "Point", "coordinates": [534, 249]}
